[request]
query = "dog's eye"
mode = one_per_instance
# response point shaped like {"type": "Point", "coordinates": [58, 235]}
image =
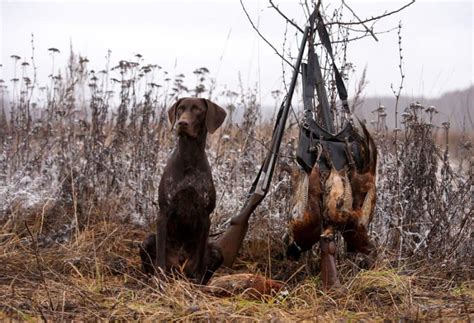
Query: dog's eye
{"type": "Point", "coordinates": [195, 108]}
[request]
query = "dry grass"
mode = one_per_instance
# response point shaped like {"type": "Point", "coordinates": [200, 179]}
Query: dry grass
{"type": "Point", "coordinates": [79, 171]}
{"type": "Point", "coordinates": [96, 275]}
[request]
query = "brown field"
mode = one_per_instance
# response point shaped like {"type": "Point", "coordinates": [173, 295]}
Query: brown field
{"type": "Point", "coordinates": [97, 276]}
{"type": "Point", "coordinates": [78, 185]}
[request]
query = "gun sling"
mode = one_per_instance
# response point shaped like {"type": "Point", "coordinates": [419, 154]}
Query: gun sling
{"type": "Point", "coordinates": [320, 143]}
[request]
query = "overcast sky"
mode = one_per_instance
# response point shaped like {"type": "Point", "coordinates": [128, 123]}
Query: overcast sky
{"type": "Point", "coordinates": [184, 35]}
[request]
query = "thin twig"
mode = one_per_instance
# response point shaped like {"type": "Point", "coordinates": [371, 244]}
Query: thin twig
{"type": "Point", "coordinates": [363, 24]}
{"type": "Point", "coordinates": [125, 182]}
{"type": "Point", "coordinates": [360, 89]}
{"type": "Point", "coordinates": [340, 23]}
{"type": "Point", "coordinates": [358, 37]}
{"type": "Point", "coordinates": [290, 21]}
{"type": "Point", "coordinates": [261, 36]}
{"type": "Point", "coordinates": [38, 308]}
{"type": "Point", "coordinates": [35, 249]}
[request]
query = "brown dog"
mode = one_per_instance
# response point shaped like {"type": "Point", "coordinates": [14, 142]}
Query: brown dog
{"type": "Point", "coordinates": [186, 197]}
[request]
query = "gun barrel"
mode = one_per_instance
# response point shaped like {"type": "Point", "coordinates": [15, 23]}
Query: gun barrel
{"type": "Point", "coordinates": [270, 160]}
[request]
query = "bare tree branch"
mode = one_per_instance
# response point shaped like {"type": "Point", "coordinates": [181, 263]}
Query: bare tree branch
{"type": "Point", "coordinates": [261, 36]}
{"type": "Point", "coordinates": [386, 14]}
{"type": "Point", "coordinates": [366, 34]}
{"type": "Point", "coordinates": [363, 24]}
{"type": "Point", "coordinates": [341, 23]}
{"type": "Point", "coordinates": [290, 21]}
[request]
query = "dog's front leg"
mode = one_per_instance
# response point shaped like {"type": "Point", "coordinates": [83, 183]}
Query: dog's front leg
{"type": "Point", "coordinates": [161, 236]}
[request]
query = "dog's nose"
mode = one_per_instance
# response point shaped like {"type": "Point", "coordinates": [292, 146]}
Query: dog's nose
{"type": "Point", "coordinates": [183, 123]}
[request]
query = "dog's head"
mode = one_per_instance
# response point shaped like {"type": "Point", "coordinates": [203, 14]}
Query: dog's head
{"type": "Point", "coordinates": [194, 116]}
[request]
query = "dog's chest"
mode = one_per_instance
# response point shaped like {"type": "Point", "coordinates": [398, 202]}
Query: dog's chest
{"type": "Point", "coordinates": [192, 187]}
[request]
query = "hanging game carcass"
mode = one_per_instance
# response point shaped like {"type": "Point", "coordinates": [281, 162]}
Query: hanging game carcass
{"type": "Point", "coordinates": [336, 186]}
{"type": "Point", "coordinates": [337, 193]}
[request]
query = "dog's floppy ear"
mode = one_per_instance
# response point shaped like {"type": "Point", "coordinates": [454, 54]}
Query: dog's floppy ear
{"type": "Point", "coordinates": [172, 113]}
{"type": "Point", "coordinates": [215, 116]}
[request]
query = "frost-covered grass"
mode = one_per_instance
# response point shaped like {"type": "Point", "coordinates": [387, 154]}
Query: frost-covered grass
{"type": "Point", "coordinates": [80, 164]}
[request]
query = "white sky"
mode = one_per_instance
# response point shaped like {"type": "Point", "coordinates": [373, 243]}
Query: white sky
{"type": "Point", "coordinates": [184, 35]}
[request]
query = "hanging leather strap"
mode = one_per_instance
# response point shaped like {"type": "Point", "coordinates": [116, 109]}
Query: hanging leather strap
{"type": "Point", "coordinates": [312, 135]}
{"type": "Point", "coordinates": [325, 40]}
{"type": "Point", "coordinates": [308, 78]}
{"type": "Point", "coordinates": [313, 79]}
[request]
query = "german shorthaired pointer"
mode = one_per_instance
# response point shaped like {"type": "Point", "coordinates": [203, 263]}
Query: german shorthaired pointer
{"type": "Point", "coordinates": [186, 198]}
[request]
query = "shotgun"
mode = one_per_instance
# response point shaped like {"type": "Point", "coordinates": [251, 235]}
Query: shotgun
{"type": "Point", "coordinates": [233, 237]}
